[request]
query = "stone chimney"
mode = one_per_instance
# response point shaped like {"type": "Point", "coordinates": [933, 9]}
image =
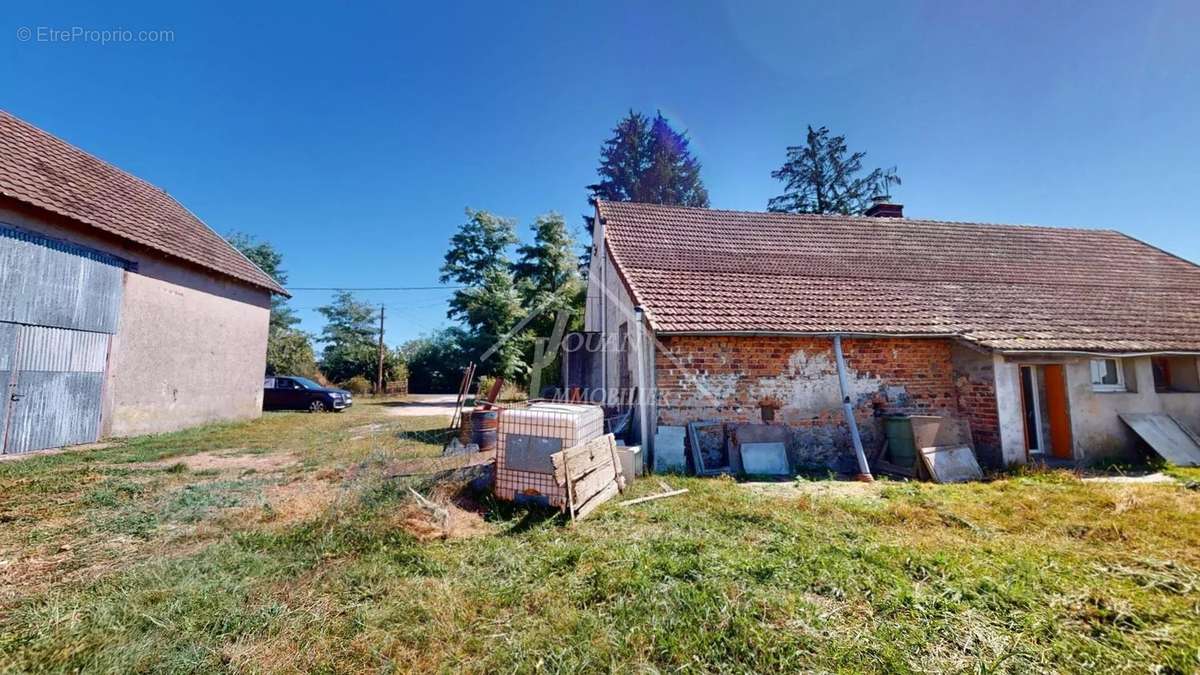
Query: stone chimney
{"type": "Point", "coordinates": [882, 207]}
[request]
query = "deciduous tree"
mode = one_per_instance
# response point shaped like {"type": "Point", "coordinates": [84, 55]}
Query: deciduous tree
{"type": "Point", "coordinates": [350, 338]}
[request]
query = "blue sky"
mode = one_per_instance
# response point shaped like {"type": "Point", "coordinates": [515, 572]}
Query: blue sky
{"type": "Point", "coordinates": [352, 135]}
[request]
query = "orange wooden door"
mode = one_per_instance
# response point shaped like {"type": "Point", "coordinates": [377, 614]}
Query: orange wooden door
{"type": "Point", "coordinates": [1056, 410]}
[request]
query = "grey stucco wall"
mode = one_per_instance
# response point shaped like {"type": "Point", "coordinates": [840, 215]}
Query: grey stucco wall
{"type": "Point", "coordinates": [1096, 427]}
{"type": "Point", "coordinates": [1097, 432]}
{"type": "Point", "coordinates": [190, 346]}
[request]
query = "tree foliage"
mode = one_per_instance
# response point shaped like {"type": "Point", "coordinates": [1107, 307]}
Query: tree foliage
{"type": "Point", "coordinates": [480, 245]}
{"type": "Point", "coordinates": [436, 362]}
{"type": "Point", "coordinates": [548, 268]}
{"type": "Point", "coordinates": [819, 177]}
{"type": "Point", "coordinates": [649, 161]}
{"type": "Point", "coordinates": [290, 352]}
{"type": "Point", "coordinates": [351, 342]}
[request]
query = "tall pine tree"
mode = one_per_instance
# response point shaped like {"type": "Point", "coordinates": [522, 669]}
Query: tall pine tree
{"type": "Point", "coordinates": [819, 177]}
{"type": "Point", "coordinates": [649, 161]}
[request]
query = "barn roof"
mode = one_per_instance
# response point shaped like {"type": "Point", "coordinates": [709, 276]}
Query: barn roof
{"type": "Point", "coordinates": [44, 171]}
{"type": "Point", "coordinates": [1007, 287]}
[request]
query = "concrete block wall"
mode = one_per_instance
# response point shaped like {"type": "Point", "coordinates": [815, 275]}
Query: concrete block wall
{"type": "Point", "coordinates": [733, 378]}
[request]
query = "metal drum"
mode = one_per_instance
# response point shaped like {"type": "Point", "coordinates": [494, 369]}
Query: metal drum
{"type": "Point", "coordinates": [485, 426]}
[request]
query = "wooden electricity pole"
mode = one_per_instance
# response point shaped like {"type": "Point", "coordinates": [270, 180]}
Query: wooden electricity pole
{"type": "Point", "coordinates": [379, 373]}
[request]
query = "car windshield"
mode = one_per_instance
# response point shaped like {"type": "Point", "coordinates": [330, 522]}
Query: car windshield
{"type": "Point", "coordinates": [306, 383]}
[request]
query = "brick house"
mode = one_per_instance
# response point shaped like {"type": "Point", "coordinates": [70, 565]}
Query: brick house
{"type": "Point", "coordinates": [1037, 336]}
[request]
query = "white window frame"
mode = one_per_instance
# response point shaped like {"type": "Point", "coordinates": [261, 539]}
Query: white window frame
{"type": "Point", "coordinates": [1098, 371]}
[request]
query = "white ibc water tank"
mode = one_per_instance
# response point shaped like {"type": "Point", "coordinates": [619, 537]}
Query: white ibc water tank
{"type": "Point", "coordinates": [527, 438]}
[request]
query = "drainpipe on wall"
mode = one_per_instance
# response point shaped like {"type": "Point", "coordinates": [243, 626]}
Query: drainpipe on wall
{"type": "Point", "coordinates": [864, 470]}
{"type": "Point", "coordinates": [643, 424]}
{"type": "Point", "coordinates": [601, 252]}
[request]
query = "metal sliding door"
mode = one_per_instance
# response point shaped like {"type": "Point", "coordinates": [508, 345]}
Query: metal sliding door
{"type": "Point", "coordinates": [8, 364]}
{"type": "Point", "coordinates": [55, 388]}
{"type": "Point", "coordinates": [59, 305]}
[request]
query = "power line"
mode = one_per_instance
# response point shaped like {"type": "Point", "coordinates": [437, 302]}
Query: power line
{"type": "Point", "coordinates": [375, 288]}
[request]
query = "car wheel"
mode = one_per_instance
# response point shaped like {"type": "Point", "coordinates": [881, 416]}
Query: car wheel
{"type": "Point", "coordinates": [316, 406]}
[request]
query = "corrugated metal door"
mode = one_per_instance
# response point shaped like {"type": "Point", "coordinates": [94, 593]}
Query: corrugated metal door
{"type": "Point", "coordinates": [59, 304]}
{"type": "Point", "coordinates": [54, 395]}
{"type": "Point", "coordinates": [45, 282]}
{"type": "Point", "coordinates": [8, 362]}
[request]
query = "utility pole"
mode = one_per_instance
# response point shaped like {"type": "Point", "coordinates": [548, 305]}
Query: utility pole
{"type": "Point", "coordinates": [379, 373]}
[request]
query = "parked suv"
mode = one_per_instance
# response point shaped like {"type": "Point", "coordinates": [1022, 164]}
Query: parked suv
{"type": "Point", "coordinates": [300, 393]}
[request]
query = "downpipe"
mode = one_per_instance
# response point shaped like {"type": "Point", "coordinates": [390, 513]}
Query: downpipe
{"type": "Point", "coordinates": [864, 470]}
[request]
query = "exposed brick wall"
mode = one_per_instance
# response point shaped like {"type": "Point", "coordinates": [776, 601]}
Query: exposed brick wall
{"type": "Point", "coordinates": [975, 381]}
{"type": "Point", "coordinates": [734, 378]}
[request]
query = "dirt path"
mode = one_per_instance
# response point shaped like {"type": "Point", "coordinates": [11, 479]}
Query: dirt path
{"type": "Point", "coordinates": [424, 405]}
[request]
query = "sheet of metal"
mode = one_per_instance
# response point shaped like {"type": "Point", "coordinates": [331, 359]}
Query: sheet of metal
{"type": "Point", "coordinates": [1166, 436]}
{"type": "Point", "coordinates": [48, 282]}
{"type": "Point", "coordinates": [8, 352]}
{"type": "Point", "coordinates": [55, 400]}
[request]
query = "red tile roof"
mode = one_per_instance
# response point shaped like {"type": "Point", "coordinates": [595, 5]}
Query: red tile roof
{"type": "Point", "coordinates": [39, 169]}
{"type": "Point", "coordinates": [1009, 287]}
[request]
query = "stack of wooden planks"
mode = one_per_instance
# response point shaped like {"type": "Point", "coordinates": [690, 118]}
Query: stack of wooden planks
{"type": "Point", "coordinates": [591, 473]}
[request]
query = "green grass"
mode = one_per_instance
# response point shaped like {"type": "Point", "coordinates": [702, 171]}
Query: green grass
{"type": "Point", "coordinates": [307, 565]}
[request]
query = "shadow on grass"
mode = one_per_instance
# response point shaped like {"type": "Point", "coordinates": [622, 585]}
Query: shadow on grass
{"type": "Point", "coordinates": [528, 515]}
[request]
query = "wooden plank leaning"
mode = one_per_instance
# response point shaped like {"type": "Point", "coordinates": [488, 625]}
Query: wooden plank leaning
{"type": "Point", "coordinates": [591, 474]}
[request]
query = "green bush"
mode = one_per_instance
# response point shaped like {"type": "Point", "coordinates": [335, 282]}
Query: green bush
{"type": "Point", "coordinates": [357, 385]}
{"type": "Point", "coordinates": [509, 391]}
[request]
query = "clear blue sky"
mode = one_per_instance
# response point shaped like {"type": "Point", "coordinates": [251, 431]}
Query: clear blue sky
{"type": "Point", "coordinates": [352, 135]}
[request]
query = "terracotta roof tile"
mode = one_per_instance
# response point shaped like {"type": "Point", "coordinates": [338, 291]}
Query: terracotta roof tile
{"type": "Point", "coordinates": [1011, 287]}
{"type": "Point", "coordinates": [39, 169]}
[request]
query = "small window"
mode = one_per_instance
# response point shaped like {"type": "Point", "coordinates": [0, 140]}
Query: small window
{"type": "Point", "coordinates": [269, 383]}
{"type": "Point", "coordinates": [1162, 373]}
{"type": "Point", "coordinates": [1176, 373]}
{"type": "Point", "coordinates": [1108, 375]}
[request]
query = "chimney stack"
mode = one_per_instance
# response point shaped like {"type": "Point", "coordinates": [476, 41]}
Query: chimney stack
{"type": "Point", "coordinates": [882, 207]}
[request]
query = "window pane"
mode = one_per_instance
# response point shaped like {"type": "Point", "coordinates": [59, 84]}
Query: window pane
{"type": "Point", "coordinates": [1110, 371]}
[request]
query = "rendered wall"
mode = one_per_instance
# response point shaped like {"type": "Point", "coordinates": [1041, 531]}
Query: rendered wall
{"type": "Point", "coordinates": [1097, 432]}
{"type": "Point", "coordinates": [190, 347]}
{"type": "Point", "coordinates": [1096, 427]}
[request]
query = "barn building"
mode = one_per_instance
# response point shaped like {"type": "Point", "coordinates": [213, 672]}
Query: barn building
{"type": "Point", "coordinates": [121, 313]}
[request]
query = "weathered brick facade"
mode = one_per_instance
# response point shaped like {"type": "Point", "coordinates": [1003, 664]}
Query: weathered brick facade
{"type": "Point", "coordinates": [736, 378]}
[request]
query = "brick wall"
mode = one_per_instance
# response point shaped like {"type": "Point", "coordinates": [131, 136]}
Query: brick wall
{"type": "Point", "coordinates": [735, 378]}
{"type": "Point", "coordinates": [975, 382]}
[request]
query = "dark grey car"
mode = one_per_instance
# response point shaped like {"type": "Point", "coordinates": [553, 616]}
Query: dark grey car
{"type": "Point", "coordinates": [300, 393]}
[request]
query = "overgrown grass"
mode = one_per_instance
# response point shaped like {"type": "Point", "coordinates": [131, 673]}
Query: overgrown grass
{"type": "Point", "coordinates": [1038, 572]}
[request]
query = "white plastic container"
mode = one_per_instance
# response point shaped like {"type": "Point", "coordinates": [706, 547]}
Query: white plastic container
{"type": "Point", "coordinates": [527, 438]}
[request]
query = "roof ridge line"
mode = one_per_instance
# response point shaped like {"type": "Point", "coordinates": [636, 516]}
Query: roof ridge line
{"type": "Point", "coordinates": [862, 218]}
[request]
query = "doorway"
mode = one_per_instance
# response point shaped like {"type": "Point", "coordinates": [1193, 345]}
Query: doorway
{"type": "Point", "coordinates": [1032, 410]}
{"type": "Point", "coordinates": [1056, 407]}
{"type": "Point", "coordinates": [1044, 411]}
{"type": "Point", "coordinates": [51, 380]}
